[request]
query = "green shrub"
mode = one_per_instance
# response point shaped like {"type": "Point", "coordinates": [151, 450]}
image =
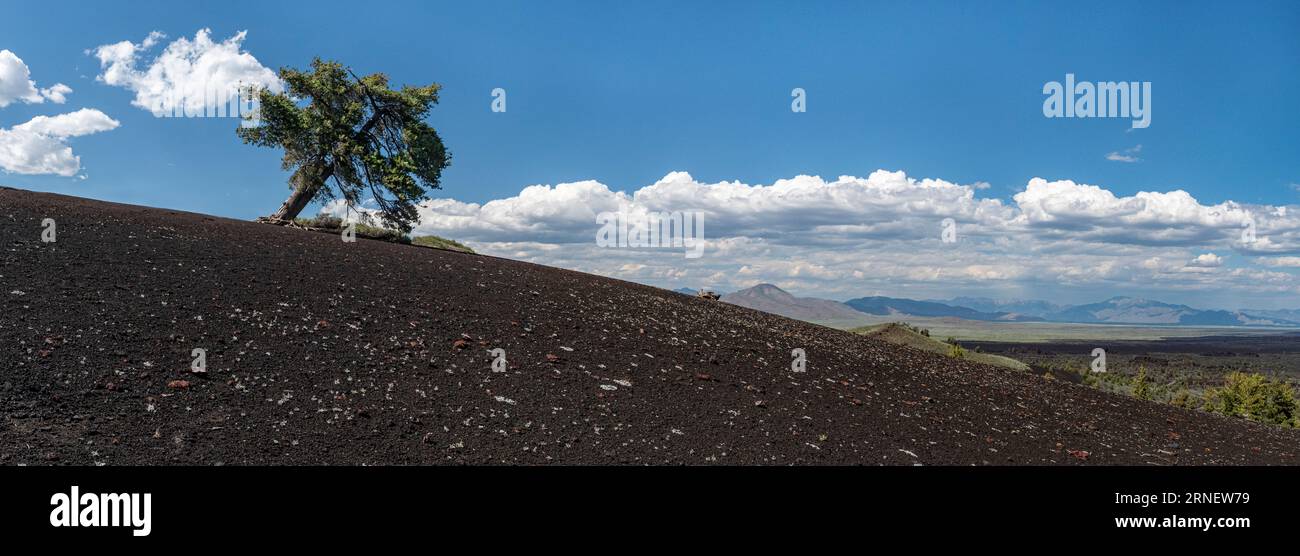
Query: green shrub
{"type": "Point", "coordinates": [382, 234]}
{"type": "Point", "coordinates": [440, 243]}
{"type": "Point", "coordinates": [1088, 378]}
{"type": "Point", "coordinates": [1114, 383]}
{"type": "Point", "coordinates": [956, 351]}
{"type": "Point", "coordinates": [922, 331]}
{"type": "Point", "coordinates": [1185, 398]}
{"type": "Point", "coordinates": [336, 225]}
{"type": "Point", "coordinates": [1141, 388]}
{"type": "Point", "coordinates": [1254, 397]}
{"type": "Point", "coordinates": [326, 221]}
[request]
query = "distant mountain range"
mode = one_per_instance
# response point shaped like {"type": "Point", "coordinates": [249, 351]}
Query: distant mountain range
{"type": "Point", "coordinates": [1116, 310]}
{"type": "Point", "coordinates": [771, 299]}
{"type": "Point", "coordinates": [1292, 315]}
{"type": "Point", "coordinates": [1033, 308]}
{"type": "Point", "coordinates": [896, 306]}
{"type": "Point", "coordinates": [1131, 310]}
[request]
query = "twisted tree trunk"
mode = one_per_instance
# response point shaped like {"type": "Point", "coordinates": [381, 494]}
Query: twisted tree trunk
{"type": "Point", "coordinates": [307, 181]}
{"type": "Point", "coordinates": [293, 205]}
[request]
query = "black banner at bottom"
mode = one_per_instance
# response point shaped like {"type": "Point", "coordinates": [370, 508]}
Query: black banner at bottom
{"type": "Point", "coordinates": [216, 506]}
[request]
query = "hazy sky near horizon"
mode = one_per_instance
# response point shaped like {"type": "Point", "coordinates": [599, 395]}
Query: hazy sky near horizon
{"type": "Point", "coordinates": [916, 112]}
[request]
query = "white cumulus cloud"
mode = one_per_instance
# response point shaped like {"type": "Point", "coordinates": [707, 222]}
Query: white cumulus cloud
{"type": "Point", "coordinates": [40, 145]}
{"type": "Point", "coordinates": [58, 93]}
{"type": "Point", "coordinates": [796, 210]}
{"type": "Point", "coordinates": [1282, 261]}
{"type": "Point", "coordinates": [1206, 260]}
{"type": "Point", "coordinates": [16, 84]}
{"type": "Point", "coordinates": [1061, 209]}
{"type": "Point", "coordinates": [840, 238]}
{"type": "Point", "coordinates": [192, 75]}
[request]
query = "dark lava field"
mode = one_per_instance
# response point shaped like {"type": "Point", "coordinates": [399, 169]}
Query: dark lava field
{"type": "Point", "coordinates": [325, 352]}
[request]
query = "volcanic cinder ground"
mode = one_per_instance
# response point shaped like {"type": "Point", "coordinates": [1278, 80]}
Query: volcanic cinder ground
{"type": "Point", "coordinates": [325, 352]}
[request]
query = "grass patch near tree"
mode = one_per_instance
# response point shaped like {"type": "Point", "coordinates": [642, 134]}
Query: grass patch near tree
{"type": "Point", "coordinates": [335, 225]}
{"type": "Point", "coordinates": [440, 243]}
{"type": "Point", "coordinates": [919, 338]}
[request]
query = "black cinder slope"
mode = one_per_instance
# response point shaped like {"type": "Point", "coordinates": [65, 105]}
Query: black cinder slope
{"type": "Point", "coordinates": [320, 351]}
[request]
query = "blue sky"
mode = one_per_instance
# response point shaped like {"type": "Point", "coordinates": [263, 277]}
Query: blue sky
{"type": "Point", "coordinates": [624, 93]}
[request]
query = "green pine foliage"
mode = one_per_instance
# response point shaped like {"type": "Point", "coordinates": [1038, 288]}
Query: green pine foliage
{"type": "Point", "coordinates": [351, 138]}
{"type": "Point", "coordinates": [1254, 397]}
{"type": "Point", "coordinates": [1141, 386]}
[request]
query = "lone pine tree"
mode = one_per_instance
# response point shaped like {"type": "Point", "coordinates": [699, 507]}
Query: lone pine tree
{"type": "Point", "coordinates": [352, 138]}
